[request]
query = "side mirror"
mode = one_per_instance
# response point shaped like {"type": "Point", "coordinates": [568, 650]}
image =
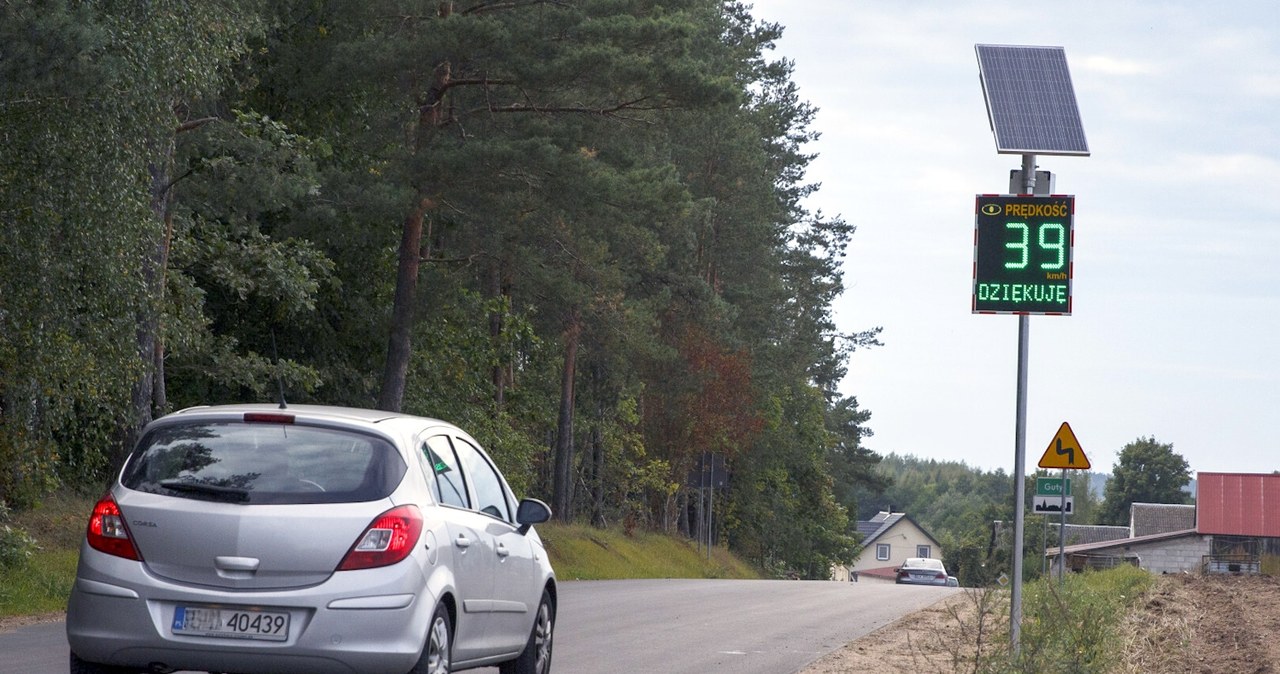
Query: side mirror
{"type": "Point", "coordinates": [530, 512]}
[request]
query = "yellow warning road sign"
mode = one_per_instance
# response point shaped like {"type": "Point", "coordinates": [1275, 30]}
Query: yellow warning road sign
{"type": "Point", "coordinates": [1064, 451]}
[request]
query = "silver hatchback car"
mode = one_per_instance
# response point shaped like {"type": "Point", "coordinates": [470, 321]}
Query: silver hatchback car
{"type": "Point", "coordinates": [309, 539]}
{"type": "Point", "coordinates": [922, 571]}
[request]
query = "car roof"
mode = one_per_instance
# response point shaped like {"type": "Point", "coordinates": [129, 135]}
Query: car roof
{"type": "Point", "coordinates": [305, 411]}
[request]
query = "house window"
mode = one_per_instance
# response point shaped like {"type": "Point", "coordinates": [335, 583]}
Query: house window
{"type": "Point", "coordinates": [922, 551]}
{"type": "Point", "coordinates": [882, 551]}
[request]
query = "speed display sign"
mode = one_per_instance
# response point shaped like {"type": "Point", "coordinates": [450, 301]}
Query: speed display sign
{"type": "Point", "coordinates": [1022, 247]}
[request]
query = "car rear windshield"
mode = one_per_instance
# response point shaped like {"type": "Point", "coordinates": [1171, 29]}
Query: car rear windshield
{"type": "Point", "coordinates": [264, 463]}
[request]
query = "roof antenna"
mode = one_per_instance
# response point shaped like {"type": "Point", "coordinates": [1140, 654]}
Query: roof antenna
{"type": "Point", "coordinates": [275, 353]}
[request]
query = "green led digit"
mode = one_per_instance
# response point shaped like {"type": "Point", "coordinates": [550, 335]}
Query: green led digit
{"type": "Point", "coordinates": [1022, 245]}
{"type": "Point", "coordinates": [1053, 238]}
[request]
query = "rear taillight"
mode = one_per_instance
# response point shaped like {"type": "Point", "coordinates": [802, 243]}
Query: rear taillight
{"type": "Point", "coordinates": [388, 540]}
{"type": "Point", "coordinates": [107, 531]}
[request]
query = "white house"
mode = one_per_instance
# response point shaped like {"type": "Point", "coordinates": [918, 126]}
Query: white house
{"type": "Point", "coordinates": [888, 540]}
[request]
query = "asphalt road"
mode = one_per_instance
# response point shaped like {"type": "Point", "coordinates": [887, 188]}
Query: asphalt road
{"type": "Point", "coordinates": [642, 626]}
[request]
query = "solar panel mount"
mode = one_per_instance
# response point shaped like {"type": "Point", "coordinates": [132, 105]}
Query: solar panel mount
{"type": "Point", "coordinates": [1030, 101]}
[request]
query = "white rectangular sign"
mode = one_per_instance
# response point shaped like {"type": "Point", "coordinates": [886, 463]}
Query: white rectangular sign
{"type": "Point", "coordinates": [1043, 505]}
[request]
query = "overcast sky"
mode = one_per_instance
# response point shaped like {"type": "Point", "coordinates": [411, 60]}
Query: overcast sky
{"type": "Point", "coordinates": [1175, 328]}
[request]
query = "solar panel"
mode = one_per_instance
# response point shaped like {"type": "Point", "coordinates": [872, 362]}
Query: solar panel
{"type": "Point", "coordinates": [1030, 100]}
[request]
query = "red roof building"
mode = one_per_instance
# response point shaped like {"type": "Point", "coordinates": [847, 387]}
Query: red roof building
{"type": "Point", "coordinates": [1238, 504]}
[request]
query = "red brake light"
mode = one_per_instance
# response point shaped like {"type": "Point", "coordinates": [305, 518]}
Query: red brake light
{"type": "Point", "coordinates": [108, 532]}
{"type": "Point", "coordinates": [389, 539]}
{"type": "Point", "coordinates": [268, 417]}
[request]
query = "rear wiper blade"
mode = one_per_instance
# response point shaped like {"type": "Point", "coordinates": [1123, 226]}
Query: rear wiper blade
{"type": "Point", "coordinates": [225, 493]}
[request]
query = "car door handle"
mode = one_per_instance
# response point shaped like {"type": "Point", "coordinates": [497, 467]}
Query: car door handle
{"type": "Point", "coordinates": [503, 551]}
{"type": "Point", "coordinates": [462, 541]}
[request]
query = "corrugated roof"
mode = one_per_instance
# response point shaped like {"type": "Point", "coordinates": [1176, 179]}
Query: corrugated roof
{"type": "Point", "coordinates": [1119, 543]}
{"type": "Point", "coordinates": [1081, 534]}
{"type": "Point", "coordinates": [1158, 518]}
{"type": "Point", "coordinates": [1238, 504]}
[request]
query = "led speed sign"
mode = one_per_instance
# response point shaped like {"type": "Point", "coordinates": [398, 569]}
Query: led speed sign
{"type": "Point", "coordinates": [1022, 254]}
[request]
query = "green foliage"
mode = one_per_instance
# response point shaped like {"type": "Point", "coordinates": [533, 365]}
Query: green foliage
{"type": "Point", "coordinates": [16, 546]}
{"type": "Point", "coordinates": [41, 585]}
{"type": "Point", "coordinates": [198, 203]}
{"type": "Point", "coordinates": [1069, 627]}
{"type": "Point", "coordinates": [783, 512]}
{"type": "Point", "coordinates": [579, 552]}
{"type": "Point", "coordinates": [240, 288]}
{"type": "Point", "coordinates": [1145, 472]}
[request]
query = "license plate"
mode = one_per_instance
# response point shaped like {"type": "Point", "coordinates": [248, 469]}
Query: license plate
{"type": "Point", "coordinates": [234, 623]}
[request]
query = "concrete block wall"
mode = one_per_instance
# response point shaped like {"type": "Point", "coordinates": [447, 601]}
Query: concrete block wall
{"type": "Point", "coordinates": [1182, 555]}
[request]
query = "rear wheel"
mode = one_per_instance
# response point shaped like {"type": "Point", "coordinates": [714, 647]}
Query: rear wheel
{"type": "Point", "coordinates": [536, 657]}
{"type": "Point", "coordinates": [438, 651]}
{"type": "Point", "coordinates": [79, 666]}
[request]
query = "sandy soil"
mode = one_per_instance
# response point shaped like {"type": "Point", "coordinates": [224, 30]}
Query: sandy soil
{"type": "Point", "coordinates": [1185, 625]}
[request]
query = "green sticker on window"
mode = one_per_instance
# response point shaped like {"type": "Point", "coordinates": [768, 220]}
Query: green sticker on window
{"type": "Point", "coordinates": [437, 463]}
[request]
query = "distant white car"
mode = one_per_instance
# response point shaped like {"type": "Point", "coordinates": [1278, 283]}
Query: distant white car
{"type": "Point", "coordinates": [316, 540]}
{"type": "Point", "coordinates": [922, 571]}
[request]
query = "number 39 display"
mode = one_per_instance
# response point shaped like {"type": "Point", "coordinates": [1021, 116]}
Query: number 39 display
{"type": "Point", "coordinates": [1022, 254]}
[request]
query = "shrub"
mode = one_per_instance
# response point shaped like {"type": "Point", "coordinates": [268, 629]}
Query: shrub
{"type": "Point", "coordinates": [16, 547]}
{"type": "Point", "coordinates": [1070, 626]}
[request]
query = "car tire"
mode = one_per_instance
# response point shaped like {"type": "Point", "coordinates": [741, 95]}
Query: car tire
{"type": "Point", "coordinates": [437, 652]}
{"type": "Point", "coordinates": [79, 666]}
{"type": "Point", "coordinates": [536, 656]}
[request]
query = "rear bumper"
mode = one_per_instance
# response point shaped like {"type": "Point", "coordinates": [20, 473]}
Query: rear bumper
{"type": "Point", "coordinates": [354, 622]}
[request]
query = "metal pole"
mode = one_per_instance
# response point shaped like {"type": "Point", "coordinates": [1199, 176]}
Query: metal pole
{"type": "Point", "coordinates": [1062, 528]}
{"type": "Point", "coordinates": [1044, 543]}
{"type": "Point", "coordinates": [1020, 446]}
{"type": "Point", "coordinates": [1019, 468]}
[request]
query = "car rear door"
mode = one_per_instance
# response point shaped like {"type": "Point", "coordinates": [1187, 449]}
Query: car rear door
{"type": "Point", "coordinates": [473, 560]}
{"type": "Point", "coordinates": [242, 547]}
{"type": "Point", "coordinates": [517, 589]}
{"type": "Point", "coordinates": [251, 505]}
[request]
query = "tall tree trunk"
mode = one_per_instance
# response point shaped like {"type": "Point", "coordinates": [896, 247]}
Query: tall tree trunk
{"type": "Point", "coordinates": [399, 346]}
{"type": "Point", "coordinates": [562, 495]}
{"type": "Point", "coordinates": [497, 325]}
{"type": "Point", "coordinates": [148, 346]}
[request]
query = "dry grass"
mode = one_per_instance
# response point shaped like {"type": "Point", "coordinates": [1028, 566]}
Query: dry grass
{"type": "Point", "coordinates": [1203, 624]}
{"type": "Point", "coordinates": [1185, 624]}
{"type": "Point", "coordinates": [944, 638]}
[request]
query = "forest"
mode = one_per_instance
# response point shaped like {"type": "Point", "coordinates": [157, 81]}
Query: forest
{"type": "Point", "coordinates": [574, 227]}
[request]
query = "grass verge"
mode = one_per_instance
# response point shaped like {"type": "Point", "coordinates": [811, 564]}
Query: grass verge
{"type": "Point", "coordinates": [37, 573]}
{"type": "Point", "coordinates": [1068, 626]}
{"type": "Point", "coordinates": [40, 554]}
{"type": "Point", "coordinates": [581, 552]}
